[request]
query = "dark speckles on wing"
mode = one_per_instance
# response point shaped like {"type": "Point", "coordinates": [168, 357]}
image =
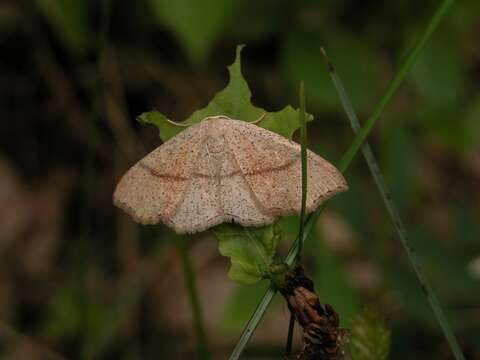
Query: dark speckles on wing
{"type": "Point", "coordinates": [223, 170]}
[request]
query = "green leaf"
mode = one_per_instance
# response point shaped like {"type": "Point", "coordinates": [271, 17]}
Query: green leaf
{"type": "Point", "coordinates": [69, 18]}
{"type": "Point", "coordinates": [166, 130]}
{"type": "Point", "coordinates": [251, 250]}
{"type": "Point", "coordinates": [369, 339]}
{"type": "Point", "coordinates": [198, 24]}
{"type": "Point", "coordinates": [233, 101]}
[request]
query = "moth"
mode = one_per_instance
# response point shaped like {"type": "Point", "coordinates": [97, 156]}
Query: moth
{"type": "Point", "coordinates": [223, 170]}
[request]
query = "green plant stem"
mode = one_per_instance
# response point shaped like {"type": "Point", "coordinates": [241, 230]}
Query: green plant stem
{"type": "Point", "coordinates": [191, 287]}
{"type": "Point", "coordinates": [253, 323]}
{"type": "Point", "coordinates": [303, 142]}
{"type": "Point", "coordinates": [343, 166]}
{"type": "Point", "coordinates": [395, 216]}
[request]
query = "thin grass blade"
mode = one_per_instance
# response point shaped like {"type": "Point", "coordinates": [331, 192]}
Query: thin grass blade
{"type": "Point", "coordinates": [394, 84]}
{"type": "Point", "coordinates": [303, 143]}
{"type": "Point", "coordinates": [395, 216]}
{"type": "Point", "coordinates": [253, 323]}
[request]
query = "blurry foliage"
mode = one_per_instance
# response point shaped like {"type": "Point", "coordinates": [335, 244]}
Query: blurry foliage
{"type": "Point", "coordinates": [70, 19]}
{"type": "Point", "coordinates": [359, 65]}
{"type": "Point", "coordinates": [198, 24]}
{"type": "Point", "coordinates": [397, 154]}
{"type": "Point", "coordinates": [257, 20]}
{"type": "Point", "coordinates": [331, 282]}
{"type": "Point", "coordinates": [439, 72]}
{"type": "Point", "coordinates": [76, 313]}
{"type": "Point", "coordinates": [428, 141]}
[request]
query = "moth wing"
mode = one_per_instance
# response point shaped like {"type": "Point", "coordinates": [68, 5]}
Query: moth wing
{"type": "Point", "coordinates": [271, 166]}
{"type": "Point", "coordinates": [201, 206]}
{"type": "Point", "coordinates": [152, 189]}
{"type": "Point", "coordinates": [239, 203]}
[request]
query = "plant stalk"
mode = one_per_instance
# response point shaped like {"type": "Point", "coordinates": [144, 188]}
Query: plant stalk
{"type": "Point", "coordinates": [303, 142]}
{"type": "Point", "coordinates": [303, 154]}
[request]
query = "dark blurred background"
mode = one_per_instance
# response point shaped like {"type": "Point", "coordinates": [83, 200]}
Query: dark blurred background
{"type": "Point", "coordinates": [79, 280]}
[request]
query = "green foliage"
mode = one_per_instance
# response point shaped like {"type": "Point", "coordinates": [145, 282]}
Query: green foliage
{"type": "Point", "coordinates": [397, 151]}
{"type": "Point", "coordinates": [251, 250]}
{"type": "Point", "coordinates": [439, 125]}
{"type": "Point", "coordinates": [77, 314]}
{"type": "Point", "coordinates": [74, 313]}
{"type": "Point", "coordinates": [439, 72]}
{"type": "Point", "coordinates": [69, 18]}
{"type": "Point", "coordinates": [369, 338]}
{"type": "Point", "coordinates": [197, 23]}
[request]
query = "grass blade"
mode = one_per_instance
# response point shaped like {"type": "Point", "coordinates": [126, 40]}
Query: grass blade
{"type": "Point", "coordinates": [394, 214]}
{"type": "Point", "coordinates": [394, 84]}
{"type": "Point", "coordinates": [303, 143]}
{"type": "Point", "coordinates": [344, 164]}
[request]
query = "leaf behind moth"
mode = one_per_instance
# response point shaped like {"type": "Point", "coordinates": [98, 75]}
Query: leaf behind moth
{"type": "Point", "coordinates": [233, 101]}
{"type": "Point", "coordinates": [251, 250]}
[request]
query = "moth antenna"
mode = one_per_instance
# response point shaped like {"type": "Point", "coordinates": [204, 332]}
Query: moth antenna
{"type": "Point", "coordinates": [177, 124]}
{"type": "Point", "coordinates": [259, 119]}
